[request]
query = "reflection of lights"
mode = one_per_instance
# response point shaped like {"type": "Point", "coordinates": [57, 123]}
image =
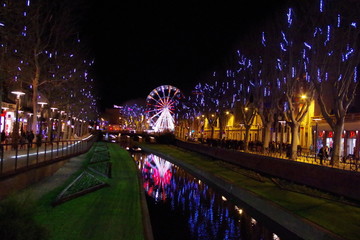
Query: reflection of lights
{"type": "Point", "coordinates": [206, 212]}
{"type": "Point", "coordinates": [157, 174]}
{"type": "Point", "coordinates": [239, 210]}
{"type": "Point", "coordinates": [253, 221]}
{"type": "Point", "coordinates": [44, 152]}
{"type": "Point", "coordinates": [275, 237]}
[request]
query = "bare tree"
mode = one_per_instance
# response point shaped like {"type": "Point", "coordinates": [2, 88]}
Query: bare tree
{"type": "Point", "coordinates": [333, 57]}
{"type": "Point", "coordinates": [293, 77]}
{"type": "Point", "coordinates": [245, 86]}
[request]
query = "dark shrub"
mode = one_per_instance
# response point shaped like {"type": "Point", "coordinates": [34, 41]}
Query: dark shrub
{"type": "Point", "coordinates": [166, 138]}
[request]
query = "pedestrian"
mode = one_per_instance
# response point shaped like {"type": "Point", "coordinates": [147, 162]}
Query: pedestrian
{"type": "Point", "coordinates": [288, 150]}
{"type": "Point", "coordinates": [22, 140]}
{"type": "Point", "coordinates": [3, 137]}
{"type": "Point", "coordinates": [3, 140]}
{"type": "Point", "coordinates": [299, 150]}
{"type": "Point", "coordinates": [323, 154]}
{"type": "Point", "coordinates": [30, 138]}
{"type": "Point", "coordinates": [38, 140]}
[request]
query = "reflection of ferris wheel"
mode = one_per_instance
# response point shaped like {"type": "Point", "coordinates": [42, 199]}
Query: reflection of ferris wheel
{"type": "Point", "coordinates": [157, 173]}
{"type": "Point", "coordinates": [161, 104]}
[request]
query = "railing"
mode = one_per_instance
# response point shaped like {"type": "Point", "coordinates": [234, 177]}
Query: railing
{"type": "Point", "coordinates": [349, 163]}
{"type": "Point", "coordinates": [23, 157]}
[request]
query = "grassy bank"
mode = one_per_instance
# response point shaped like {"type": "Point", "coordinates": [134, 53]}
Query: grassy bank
{"type": "Point", "coordinates": [109, 213]}
{"type": "Point", "coordinates": [339, 218]}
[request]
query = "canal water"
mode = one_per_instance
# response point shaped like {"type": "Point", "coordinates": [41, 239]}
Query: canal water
{"type": "Point", "coordinates": [181, 206]}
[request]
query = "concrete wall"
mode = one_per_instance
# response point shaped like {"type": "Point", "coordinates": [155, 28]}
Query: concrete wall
{"type": "Point", "coordinates": [25, 179]}
{"type": "Point", "coordinates": [341, 182]}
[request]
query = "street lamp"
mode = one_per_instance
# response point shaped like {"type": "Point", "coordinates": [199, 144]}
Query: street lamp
{"type": "Point", "coordinates": [3, 124]}
{"type": "Point", "coordinates": [41, 115]}
{"type": "Point", "coordinates": [15, 134]}
{"type": "Point", "coordinates": [53, 109]}
{"type": "Point", "coordinates": [316, 134]}
{"type": "Point", "coordinates": [282, 123]}
{"type": "Point", "coordinates": [227, 133]}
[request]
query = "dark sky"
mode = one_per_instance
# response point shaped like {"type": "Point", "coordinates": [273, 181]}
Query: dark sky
{"type": "Point", "coordinates": [141, 45]}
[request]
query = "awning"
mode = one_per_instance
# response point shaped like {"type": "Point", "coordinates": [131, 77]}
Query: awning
{"type": "Point", "coordinates": [348, 126]}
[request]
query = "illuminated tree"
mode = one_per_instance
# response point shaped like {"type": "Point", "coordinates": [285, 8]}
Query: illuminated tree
{"type": "Point", "coordinates": [245, 87]}
{"type": "Point", "coordinates": [39, 46]}
{"type": "Point", "coordinates": [186, 115]}
{"type": "Point", "coordinates": [292, 77]}
{"type": "Point", "coordinates": [333, 57]}
{"type": "Point", "coordinates": [133, 116]}
{"type": "Point", "coordinates": [214, 100]}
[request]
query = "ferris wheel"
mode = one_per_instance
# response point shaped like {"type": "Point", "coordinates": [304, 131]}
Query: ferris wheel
{"type": "Point", "coordinates": [161, 103]}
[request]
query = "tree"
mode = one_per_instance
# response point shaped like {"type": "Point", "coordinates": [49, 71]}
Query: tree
{"type": "Point", "coordinates": [293, 78]}
{"type": "Point", "coordinates": [245, 94]}
{"type": "Point", "coordinates": [214, 100]}
{"type": "Point", "coordinates": [333, 57]}
{"type": "Point", "coordinates": [39, 48]}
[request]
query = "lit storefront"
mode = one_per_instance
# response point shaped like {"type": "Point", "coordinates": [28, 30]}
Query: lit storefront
{"type": "Point", "coordinates": [350, 141]}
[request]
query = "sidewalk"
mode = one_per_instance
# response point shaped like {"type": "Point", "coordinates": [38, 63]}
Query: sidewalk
{"type": "Point", "coordinates": [11, 160]}
{"type": "Point", "coordinates": [37, 190]}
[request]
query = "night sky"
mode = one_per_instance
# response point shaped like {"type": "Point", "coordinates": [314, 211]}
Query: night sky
{"type": "Point", "coordinates": [141, 45]}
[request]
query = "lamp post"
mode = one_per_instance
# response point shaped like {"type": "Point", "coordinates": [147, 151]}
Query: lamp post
{"type": "Point", "coordinates": [3, 123]}
{"type": "Point", "coordinates": [316, 135]}
{"type": "Point", "coordinates": [42, 104]}
{"type": "Point", "coordinates": [53, 109]}
{"type": "Point", "coordinates": [15, 133]}
{"type": "Point", "coordinates": [227, 133]}
{"type": "Point", "coordinates": [282, 123]}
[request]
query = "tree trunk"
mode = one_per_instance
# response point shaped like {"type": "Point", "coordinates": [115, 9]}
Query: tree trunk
{"type": "Point", "coordinates": [212, 131]}
{"type": "Point", "coordinates": [246, 140]}
{"type": "Point", "coordinates": [335, 156]}
{"type": "Point", "coordinates": [294, 141]}
{"type": "Point", "coordinates": [267, 134]}
{"type": "Point", "coordinates": [35, 85]}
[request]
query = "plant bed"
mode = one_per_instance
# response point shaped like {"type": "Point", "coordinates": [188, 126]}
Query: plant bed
{"type": "Point", "coordinates": [100, 148]}
{"type": "Point", "coordinates": [100, 157]}
{"type": "Point", "coordinates": [102, 168]}
{"type": "Point", "coordinates": [83, 184]}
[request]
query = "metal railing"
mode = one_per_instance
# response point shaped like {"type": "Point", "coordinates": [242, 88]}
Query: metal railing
{"type": "Point", "coordinates": [349, 163]}
{"type": "Point", "coordinates": [23, 157]}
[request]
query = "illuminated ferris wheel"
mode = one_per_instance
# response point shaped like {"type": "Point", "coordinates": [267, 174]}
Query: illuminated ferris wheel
{"type": "Point", "coordinates": [161, 103]}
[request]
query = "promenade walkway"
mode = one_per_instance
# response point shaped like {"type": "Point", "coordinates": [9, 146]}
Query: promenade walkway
{"type": "Point", "coordinates": [349, 163]}
{"type": "Point", "coordinates": [13, 160]}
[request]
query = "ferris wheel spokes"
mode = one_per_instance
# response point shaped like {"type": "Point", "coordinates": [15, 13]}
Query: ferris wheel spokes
{"type": "Point", "coordinates": [161, 104]}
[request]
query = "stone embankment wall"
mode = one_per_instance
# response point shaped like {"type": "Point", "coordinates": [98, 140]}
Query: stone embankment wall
{"type": "Point", "coordinates": [337, 181]}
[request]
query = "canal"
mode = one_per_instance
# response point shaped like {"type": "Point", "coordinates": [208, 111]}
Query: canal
{"type": "Point", "coordinates": [182, 206]}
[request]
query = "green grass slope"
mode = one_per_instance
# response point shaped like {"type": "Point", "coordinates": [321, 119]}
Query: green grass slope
{"type": "Point", "coordinates": [109, 213]}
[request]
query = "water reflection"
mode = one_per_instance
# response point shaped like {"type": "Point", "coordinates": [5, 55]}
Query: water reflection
{"type": "Point", "coordinates": [183, 207]}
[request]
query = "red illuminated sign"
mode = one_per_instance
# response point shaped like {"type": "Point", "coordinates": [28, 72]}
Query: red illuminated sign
{"type": "Point", "coordinates": [352, 134]}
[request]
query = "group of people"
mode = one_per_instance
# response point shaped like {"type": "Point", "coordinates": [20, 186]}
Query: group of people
{"type": "Point", "coordinates": [24, 138]}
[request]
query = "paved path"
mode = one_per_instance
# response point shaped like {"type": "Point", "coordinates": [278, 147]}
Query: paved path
{"type": "Point", "coordinates": [12, 160]}
{"type": "Point", "coordinates": [37, 190]}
